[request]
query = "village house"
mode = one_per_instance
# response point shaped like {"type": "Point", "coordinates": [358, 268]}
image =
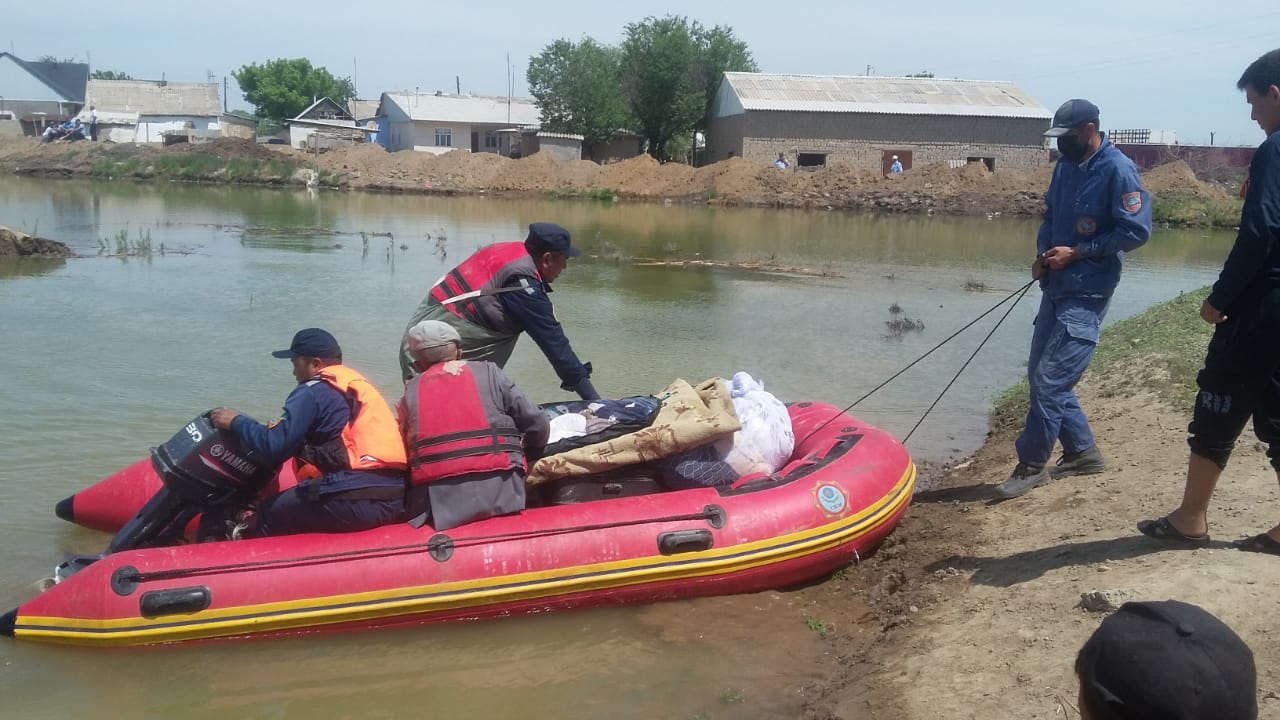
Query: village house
{"type": "Point", "coordinates": [157, 111]}
{"type": "Point", "coordinates": [814, 120]}
{"type": "Point", "coordinates": [440, 122]}
{"type": "Point", "coordinates": [325, 125]}
{"type": "Point", "coordinates": [36, 93]}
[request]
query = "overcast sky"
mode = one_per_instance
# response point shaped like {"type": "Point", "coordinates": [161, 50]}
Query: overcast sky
{"type": "Point", "coordinates": [1165, 65]}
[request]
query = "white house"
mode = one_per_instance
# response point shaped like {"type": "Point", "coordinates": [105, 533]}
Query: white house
{"type": "Point", "coordinates": [440, 122]}
{"type": "Point", "coordinates": [144, 111]}
{"type": "Point", "coordinates": [325, 125]}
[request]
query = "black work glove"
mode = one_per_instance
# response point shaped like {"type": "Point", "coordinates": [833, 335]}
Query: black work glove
{"type": "Point", "coordinates": [586, 390]}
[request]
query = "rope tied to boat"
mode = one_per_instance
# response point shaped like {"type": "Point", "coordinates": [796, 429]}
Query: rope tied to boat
{"type": "Point", "coordinates": [1016, 296]}
{"type": "Point", "coordinates": [437, 542]}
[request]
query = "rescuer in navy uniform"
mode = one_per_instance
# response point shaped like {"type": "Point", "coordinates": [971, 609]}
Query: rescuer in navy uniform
{"type": "Point", "coordinates": [348, 454]}
{"type": "Point", "coordinates": [1096, 210]}
{"type": "Point", "coordinates": [501, 291]}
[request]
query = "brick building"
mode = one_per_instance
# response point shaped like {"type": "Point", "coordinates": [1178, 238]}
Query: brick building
{"type": "Point", "coordinates": [815, 120]}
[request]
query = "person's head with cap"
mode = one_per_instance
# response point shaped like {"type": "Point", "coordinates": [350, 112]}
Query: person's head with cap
{"type": "Point", "coordinates": [550, 246]}
{"type": "Point", "coordinates": [431, 342]}
{"type": "Point", "coordinates": [1075, 125]}
{"type": "Point", "coordinates": [1166, 660]}
{"type": "Point", "coordinates": [311, 350]}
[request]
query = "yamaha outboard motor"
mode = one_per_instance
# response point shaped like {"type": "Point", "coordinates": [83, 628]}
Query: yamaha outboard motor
{"type": "Point", "coordinates": [203, 469]}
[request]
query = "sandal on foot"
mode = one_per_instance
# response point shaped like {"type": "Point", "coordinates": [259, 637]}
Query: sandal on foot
{"type": "Point", "coordinates": [1262, 543]}
{"type": "Point", "coordinates": [1162, 529]}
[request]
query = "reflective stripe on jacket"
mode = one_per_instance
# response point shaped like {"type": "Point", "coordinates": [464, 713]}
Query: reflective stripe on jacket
{"type": "Point", "coordinates": [488, 269]}
{"type": "Point", "coordinates": [455, 436]}
{"type": "Point", "coordinates": [369, 441]}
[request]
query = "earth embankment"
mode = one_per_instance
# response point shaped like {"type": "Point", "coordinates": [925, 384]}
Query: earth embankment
{"type": "Point", "coordinates": [967, 190]}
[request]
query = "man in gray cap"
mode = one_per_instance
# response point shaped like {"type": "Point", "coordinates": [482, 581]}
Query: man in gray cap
{"type": "Point", "coordinates": [1096, 210]}
{"type": "Point", "coordinates": [469, 433]}
{"type": "Point", "coordinates": [501, 291]}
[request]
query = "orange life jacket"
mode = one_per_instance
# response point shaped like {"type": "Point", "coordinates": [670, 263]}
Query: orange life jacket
{"type": "Point", "coordinates": [369, 441]}
{"type": "Point", "coordinates": [451, 435]}
{"type": "Point", "coordinates": [489, 268]}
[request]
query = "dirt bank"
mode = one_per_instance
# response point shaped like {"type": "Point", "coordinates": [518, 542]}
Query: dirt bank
{"type": "Point", "coordinates": [975, 605]}
{"type": "Point", "coordinates": [968, 190]}
{"type": "Point", "coordinates": [15, 243]}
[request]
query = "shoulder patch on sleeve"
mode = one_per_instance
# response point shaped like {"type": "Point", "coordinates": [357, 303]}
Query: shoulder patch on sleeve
{"type": "Point", "coordinates": [1132, 202]}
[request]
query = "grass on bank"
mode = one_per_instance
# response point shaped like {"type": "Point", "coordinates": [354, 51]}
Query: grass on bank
{"type": "Point", "coordinates": [1158, 351]}
{"type": "Point", "coordinates": [197, 167]}
{"type": "Point", "coordinates": [1195, 211]}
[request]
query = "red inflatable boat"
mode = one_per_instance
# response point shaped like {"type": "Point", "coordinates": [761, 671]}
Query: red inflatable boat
{"type": "Point", "coordinates": [844, 489]}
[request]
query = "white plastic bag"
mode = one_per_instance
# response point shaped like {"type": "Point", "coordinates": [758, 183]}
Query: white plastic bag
{"type": "Point", "coordinates": [766, 441]}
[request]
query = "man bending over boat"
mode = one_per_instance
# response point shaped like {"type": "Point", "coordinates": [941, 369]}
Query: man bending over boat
{"type": "Point", "coordinates": [347, 450]}
{"type": "Point", "coordinates": [468, 431]}
{"type": "Point", "coordinates": [500, 292]}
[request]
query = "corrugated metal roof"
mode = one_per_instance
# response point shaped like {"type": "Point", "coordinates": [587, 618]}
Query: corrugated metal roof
{"type": "Point", "coordinates": [562, 136]}
{"type": "Point", "coordinates": [147, 97]}
{"type": "Point", "coordinates": [362, 109]}
{"type": "Point", "coordinates": [887, 95]}
{"type": "Point", "coordinates": [470, 109]}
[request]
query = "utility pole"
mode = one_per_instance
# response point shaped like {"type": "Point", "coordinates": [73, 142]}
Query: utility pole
{"type": "Point", "coordinates": [1210, 137]}
{"type": "Point", "coordinates": [224, 93]}
{"type": "Point", "coordinates": [457, 79]}
{"type": "Point", "coordinates": [355, 77]}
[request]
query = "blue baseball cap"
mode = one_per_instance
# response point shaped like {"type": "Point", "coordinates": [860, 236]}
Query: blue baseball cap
{"type": "Point", "coordinates": [549, 237]}
{"type": "Point", "coordinates": [311, 342]}
{"type": "Point", "coordinates": [1071, 115]}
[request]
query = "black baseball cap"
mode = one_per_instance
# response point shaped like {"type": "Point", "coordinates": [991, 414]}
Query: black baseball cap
{"type": "Point", "coordinates": [311, 342]}
{"type": "Point", "coordinates": [1072, 115]}
{"type": "Point", "coordinates": [549, 237]}
{"type": "Point", "coordinates": [1169, 660]}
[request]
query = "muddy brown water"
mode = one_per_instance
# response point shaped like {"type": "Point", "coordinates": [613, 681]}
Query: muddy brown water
{"type": "Point", "coordinates": [109, 355]}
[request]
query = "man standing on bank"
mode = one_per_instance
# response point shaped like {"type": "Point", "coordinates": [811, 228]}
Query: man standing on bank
{"type": "Point", "coordinates": [501, 291]}
{"type": "Point", "coordinates": [1095, 211]}
{"type": "Point", "coordinates": [1241, 374]}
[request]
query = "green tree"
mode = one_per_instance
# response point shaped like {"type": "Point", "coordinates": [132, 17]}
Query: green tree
{"type": "Point", "coordinates": [576, 86]}
{"type": "Point", "coordinates": [671, 69]}
{"type": "Point", "coordinates": [280, 89]}
{"type": "Point", "coordinates": [109, 75]}
{"type": "Point", "coordinates": [720, 52]}
{"type": "Point", "coordinates": [660, 76]}
{"type": "Point", "coordinates": [921, 74]}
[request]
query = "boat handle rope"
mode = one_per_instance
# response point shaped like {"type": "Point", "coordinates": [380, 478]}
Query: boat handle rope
{"type": "Point", "coordinates": [1019, 293]}
{"type": "Point", "coordinates": [130, 575]}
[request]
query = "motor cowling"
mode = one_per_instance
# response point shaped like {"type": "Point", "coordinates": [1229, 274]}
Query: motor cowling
{"type": "Point", "coordinates": [208, 467]}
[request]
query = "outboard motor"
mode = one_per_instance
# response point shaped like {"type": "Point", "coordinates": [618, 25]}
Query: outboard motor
{"type": "Point", "coordinates": [203, 470]}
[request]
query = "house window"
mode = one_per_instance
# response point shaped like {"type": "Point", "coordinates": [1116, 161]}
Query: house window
{"type": "Point", "coordinates": [444, 137]}
{"type": "Point", "coordinates": [491, 139]}
{"type": "Point", "coordinates": [811, 159]}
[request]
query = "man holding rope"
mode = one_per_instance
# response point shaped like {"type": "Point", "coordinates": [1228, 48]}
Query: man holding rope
{"type": "Point", "coordinates": [1095, 210]}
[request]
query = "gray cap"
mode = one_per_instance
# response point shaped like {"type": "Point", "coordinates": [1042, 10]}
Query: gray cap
{"type": "Point", "coordinates": [429, 334]}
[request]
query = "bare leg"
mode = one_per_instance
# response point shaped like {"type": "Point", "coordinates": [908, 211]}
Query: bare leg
{"type": "Point", "coordinates": [1191, 517]}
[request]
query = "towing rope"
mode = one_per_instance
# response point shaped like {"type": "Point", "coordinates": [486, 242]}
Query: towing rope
{"type": "Point", "coordinates": [1019, 293]}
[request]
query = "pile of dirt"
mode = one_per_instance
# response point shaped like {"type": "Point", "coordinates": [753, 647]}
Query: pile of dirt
{"type": "Point", "coordinates": [227, 148]}
{"type": "Point", "coordinates": [15, 243]}
{"type": "Point", "coordinates": [1177, 178]}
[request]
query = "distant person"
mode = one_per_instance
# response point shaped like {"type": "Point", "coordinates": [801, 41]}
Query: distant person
{"type": "Point", "coordinates": [469, 431]}
{"type": "Point", "coordinates": [895, 166]}
{"type": "Point", "coordinates": [501, 291]}
{"type": "Point", "coordinates": [781, 163]}
{"type": "Point", "coordinates": [1240, 378]}
{"type": "Point", "coordinates": [345, 443]}
{"type": "Point", "coordinates": [1166, 660]}
{"type": "Point", "coordinates": [1095, 211]}
{"type": "Point", "coordinates": [93, 123]}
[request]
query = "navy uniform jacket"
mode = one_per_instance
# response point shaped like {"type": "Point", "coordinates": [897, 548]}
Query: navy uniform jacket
{"type": "Point", "coordinates": [1253, 267]}
{"type": "Point", "coordinates": [1099, 207]}
{"type": "Point", "coordinates": [532, 310]}
{"type": "Point", "coordinates": [314, 413]}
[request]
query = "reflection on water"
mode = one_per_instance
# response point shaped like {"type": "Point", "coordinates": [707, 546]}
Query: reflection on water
{"type": "Point", "coordinates": [108, 356]}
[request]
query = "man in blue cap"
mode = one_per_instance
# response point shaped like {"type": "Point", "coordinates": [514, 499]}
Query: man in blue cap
{"type": "Point", "coordinates": [501, 291]}
{"type": "Point", "coordinates": [1096, 210]}
{"type": "Point", "coordinates": [348, 453]}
